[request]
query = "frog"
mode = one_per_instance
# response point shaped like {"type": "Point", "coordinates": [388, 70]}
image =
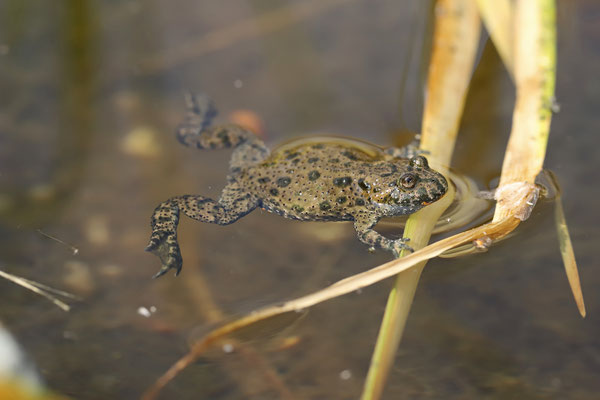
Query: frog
{"type": "Point", "coordinates": [313, 180]}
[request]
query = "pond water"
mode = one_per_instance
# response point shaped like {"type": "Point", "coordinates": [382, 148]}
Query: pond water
{"type": "Point", "coordinates": [91, 95]}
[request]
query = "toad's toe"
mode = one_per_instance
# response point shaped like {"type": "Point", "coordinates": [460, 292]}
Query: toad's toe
{"type": "Point", "coordinates": [165, 246]}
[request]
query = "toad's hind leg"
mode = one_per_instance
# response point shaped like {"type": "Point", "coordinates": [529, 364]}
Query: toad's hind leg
{"type": "Point", "coordinates": [195, 131]}
{"type": "Point", "coordinates": [231, 206]}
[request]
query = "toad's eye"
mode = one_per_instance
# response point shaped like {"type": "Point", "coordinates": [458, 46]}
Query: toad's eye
{"type": "Point", "coordinates": [408, 181]}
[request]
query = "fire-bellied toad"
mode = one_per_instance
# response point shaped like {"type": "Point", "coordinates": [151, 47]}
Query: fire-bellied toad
{"type": "Point", "coordinates": [324, 180]}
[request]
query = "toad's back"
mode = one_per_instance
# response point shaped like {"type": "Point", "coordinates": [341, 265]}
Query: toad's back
{"type": "Point", "coordinates": [311, 182]}
{"type": "Point", "coordinates": [327, 181]}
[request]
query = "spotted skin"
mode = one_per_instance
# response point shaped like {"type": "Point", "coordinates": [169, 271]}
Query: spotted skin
{"type": "Point", "coordinates": [328, 181]}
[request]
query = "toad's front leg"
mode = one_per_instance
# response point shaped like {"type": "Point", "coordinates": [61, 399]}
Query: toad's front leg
{"type": "Point", "coordinates": [364, 224]}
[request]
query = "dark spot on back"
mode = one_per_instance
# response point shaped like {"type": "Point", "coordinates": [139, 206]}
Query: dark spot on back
{"type": "Point", "coordinates": [350, 155]}
{"type": "Point", "coordinates": [344, 181]}
{"type": "Point", "coordinates": [394, 169]}
{"type": "Point", "coordinates": [283, 182]}
{"type": "Point", "coordinates": [363, 185]}
{"type": "Point", "coordinates": [263, 180]}
{"type": "Point", "coordinates": [360, 202]}
{"type": "Point", "coordinates": [292, 155]}
{"type": "Point", "coordinates": [317, 146]}
{"type": "Point", "coordinates": [313, 175]}
{"type": "Point", "coordinates": [341, 200]}
{"type": "Point", "coordinates": [313, 159]}
{"type": "Point", "coordinates": [324, 206]}
{"type": "Point", "coordinates": [334, 160]}
{"type": "Point", "coordinates": [297, 208]}
{"type": "Point", "coordinates": [274, 192]}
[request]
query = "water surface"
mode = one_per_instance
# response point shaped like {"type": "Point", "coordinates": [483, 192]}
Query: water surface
{"type": "Point", "coordinates": [91, 94]}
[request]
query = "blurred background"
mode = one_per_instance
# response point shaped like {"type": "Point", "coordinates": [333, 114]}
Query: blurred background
{"type": "Point", "coordinates": [90, 95]}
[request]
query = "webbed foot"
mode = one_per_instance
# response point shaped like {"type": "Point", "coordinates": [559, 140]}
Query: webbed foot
{"type": "Point", "coordinates": [165, 246]}
{"type": "Point", "coordinates": [400, 244]}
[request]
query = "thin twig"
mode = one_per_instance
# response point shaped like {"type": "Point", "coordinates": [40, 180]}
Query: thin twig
{"type": "Point", "coordinates": [40, 289]}
{"type": "Point", "coordinates": [74, 249]}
